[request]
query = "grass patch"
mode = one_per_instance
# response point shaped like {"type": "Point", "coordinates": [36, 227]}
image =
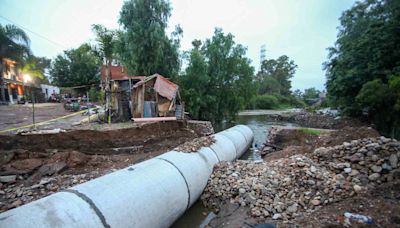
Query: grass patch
{"type": "Point", "coordinates": [311, 131]}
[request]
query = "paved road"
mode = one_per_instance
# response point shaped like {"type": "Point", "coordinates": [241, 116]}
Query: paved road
{"type": "Point", "coordinates": [12, 116]}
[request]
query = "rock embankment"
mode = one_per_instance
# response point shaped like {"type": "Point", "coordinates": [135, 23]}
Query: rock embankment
{"type": "Point", "coordinates": [286, 187]}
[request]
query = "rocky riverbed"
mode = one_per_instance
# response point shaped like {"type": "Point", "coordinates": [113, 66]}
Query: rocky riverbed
{"type": "Point", "coordinates": [288, 188]}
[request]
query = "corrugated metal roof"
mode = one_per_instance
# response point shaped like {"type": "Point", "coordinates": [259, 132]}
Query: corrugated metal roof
{"type": "Point", "coordinates": [118, 73]}
{"type": "Point", "coordinates": [162, 86]}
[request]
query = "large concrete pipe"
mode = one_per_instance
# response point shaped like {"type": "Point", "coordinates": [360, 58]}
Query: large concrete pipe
{"type": "Point", "coordinates": [153, 193]}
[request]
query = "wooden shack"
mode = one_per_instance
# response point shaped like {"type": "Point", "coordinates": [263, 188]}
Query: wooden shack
{"type": "Point", "coordinates": [156, 96]}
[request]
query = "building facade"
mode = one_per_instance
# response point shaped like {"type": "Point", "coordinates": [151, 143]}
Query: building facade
{"type": "Point", "coordinates": [11, 84]}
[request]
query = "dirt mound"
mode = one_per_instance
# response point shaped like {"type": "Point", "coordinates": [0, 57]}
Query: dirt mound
{"type": "Point", "coordinates": [314, 120]}
{"type": "Point", "coordinates": [380, 203]}
{"type": "Point", "coordinates": [291, 141]}
{"type": "Point", "coordinates": [149, 137]}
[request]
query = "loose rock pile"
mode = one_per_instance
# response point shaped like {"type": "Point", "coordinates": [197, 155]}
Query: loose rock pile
{"type": "Point", "coordinates": [14, 195]}
{"type": "Point", "coordinates": [283, 188]}
{"type": "Point", "coordinates": [362, 162]}
{"type": "Point", "coordinates": [195, 144]}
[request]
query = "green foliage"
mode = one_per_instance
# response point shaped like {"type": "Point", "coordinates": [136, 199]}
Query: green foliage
{"type": "Point", "coordinates": [14, 43]}
{"type": "Point", "coordinates": [274, 79]}
{"type": "Point", "coordinates": [269, 85]}
{"type": "Point", "coordinates": [101, 96]}
{"type": "Point", "coordinates": [36, 67]}
{"type": "Point", "coordinates": [275, 76]}
{"type": "Point", "coordinates": [311, 131]}
{"type": "Point", "coordinates": [76, 67]}
{"type": "Point", "coordinates": [144, 47]}
{"type": "Point", "coordinates": [266, 102]}
{"type": "Point", "coordinates": [95, 94]}
{"type": "Point", "coordinates": [218, 80]}
{"type": "Point", "coordinates": [372, 93]}
{"type": "Point", "coordinates": [310, 96]}
{"type": "Point", "coordinates": [363, 61]}
{"type": "Point", "coordinates": [106, 41]}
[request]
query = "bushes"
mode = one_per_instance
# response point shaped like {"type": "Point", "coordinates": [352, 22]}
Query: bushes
{"type": "Point", "coordinates": [311, 131]}
{"type": "Point", "coordinates": [275, 101]}
{"type": "Point", "coordinates": [266, 102]}
{"type": "Point", "coordinates": [96, 95]}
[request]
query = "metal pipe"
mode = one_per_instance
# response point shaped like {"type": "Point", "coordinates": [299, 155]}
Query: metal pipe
{"type": "Point", "coordinates": [153, 193]}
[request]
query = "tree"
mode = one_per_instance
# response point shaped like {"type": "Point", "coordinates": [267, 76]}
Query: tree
{"type": "Point", "coordinates": [218, 80]}
{"type": "Point", "coordinates": [365, 62]}
{"type": "Point", "coordinates": [144, 47]}
{"type": "Point", "coordinates": [195, 84]}
{"type": "Point", "coordinates": [269, 85]}
{"type": "Point", "coordinates": [14, 44]}
{"type": "Point", "coordinates": [36, 67]}
{"type": "Point", "coordinates": [281, 70]}
{"type": "Point", "coordinates": [76, 67]}
{"type": "Point", "coordinates": [310, 96]}
{"type": "Point", "coordinates": [106, 43]}
{"type": "Point", "coordinates": [298, 94]}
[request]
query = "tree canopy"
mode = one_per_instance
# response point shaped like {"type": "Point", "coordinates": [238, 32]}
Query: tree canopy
{"type": "Point", "coordinates": [218, 80]}
{"type": "Point", "coordinates": [14, 43]}
{"type": "Point", "coordinates": [36, 67]}
{"type": "Point", "coordinates": [106, 41]}
{"type": "Point", "coordinates": [364, 64]}
{"type": "Point", "coordinates": [273, 83]}
{"type": "Point", "coordinates": [144, 47]}
{"type": "Point", "coordinates": [310, 95]}
{"type": "Point", "coordinates": [76, 67]}
{"type": "Point", "coordinates": [275, 75]}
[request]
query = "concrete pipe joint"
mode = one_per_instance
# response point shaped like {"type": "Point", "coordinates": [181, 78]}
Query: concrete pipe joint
{"type": "Point", "coordinates": [153, 193]}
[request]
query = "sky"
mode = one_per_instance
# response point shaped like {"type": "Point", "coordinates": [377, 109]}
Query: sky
{"type": "Point", "coordinates": [300, 29]}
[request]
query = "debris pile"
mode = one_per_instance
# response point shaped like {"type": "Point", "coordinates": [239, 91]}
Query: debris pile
{"type": "Point", "coordinates": [17, 194]}
{"type": "Point", "coordinates": [283, 188]}
{"type": "Point", "coordinates": [195, 144]}
{"type": "Point", "coordinates": [364, 161]}
{"type": "Point", "coordinates": [315, 120]}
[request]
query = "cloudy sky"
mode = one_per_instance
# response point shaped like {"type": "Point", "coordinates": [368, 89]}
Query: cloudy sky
{"type": "Point", "coordinates": [300, 29]}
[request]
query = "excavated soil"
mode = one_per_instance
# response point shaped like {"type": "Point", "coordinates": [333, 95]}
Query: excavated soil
{"type": "Point", "coordinates": [296, 141]}
{"type": "Point", "coordinates": [381, 203]}
{"type": "Point", "coordinates": [149, 137]}
{"type": "Point", "coordinates": [33, 166]}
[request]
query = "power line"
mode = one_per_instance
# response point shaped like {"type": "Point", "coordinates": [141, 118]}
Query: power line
{"type": "Point", "coordinates": [37, 34]}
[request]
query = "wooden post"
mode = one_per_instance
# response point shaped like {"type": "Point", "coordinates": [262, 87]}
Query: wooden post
{"type": "Point", "coordinates": [143, 93]}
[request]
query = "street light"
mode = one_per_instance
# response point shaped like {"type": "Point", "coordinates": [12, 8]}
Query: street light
{"type": "Point", "coordinates": [27, 78]}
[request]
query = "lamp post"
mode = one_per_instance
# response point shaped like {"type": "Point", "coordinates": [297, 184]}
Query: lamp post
{"type": "Point", "coordinates": [27, 78]}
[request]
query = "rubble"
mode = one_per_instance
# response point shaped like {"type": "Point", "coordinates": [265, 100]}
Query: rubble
{"type": "Point", "coordinates": [195, 144]}
{"type": "Point", "coordinates": [8, 179]}
{"type": "Point", "coordinates": [17, 194]}
{"type": "Point", "coordinates": [370, 160]}
{"type": "Point", "coordinates": [282, 189]}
